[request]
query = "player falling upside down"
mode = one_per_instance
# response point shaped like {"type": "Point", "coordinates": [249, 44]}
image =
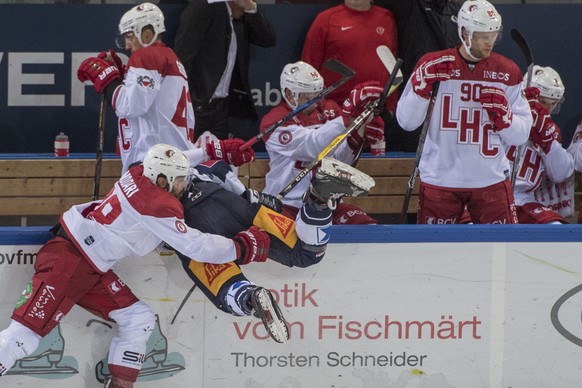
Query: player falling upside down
{"type": "Point", "coordinates": [216, 195]}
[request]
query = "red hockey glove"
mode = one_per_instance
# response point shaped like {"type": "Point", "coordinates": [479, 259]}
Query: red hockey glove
{"type": "Point", "coordinates": [99, 72]}
{"type": "Point", "coordinates": [251, 245]}
{"type": "Point", "coordinates": [360, 96]}
{"type": "Point", "coordinates": [531, 93]}
{"type": "Point", "coordinates": [495, 103]}
{"type": "Point", "coordinates": [427, 73]}
{"type": "Point", "coordinates": [373, 133]}
{"type": "Point", "coordinates": [543, 131]}
{"type": "Point", "coordinates": [112, 58]}
{"type": "Point", "coordinates": [228, 150]}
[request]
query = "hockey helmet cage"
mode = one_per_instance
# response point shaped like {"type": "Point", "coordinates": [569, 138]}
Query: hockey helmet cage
{"type": "Point", "coordinates": [477, 16]}
{"type": "Point", "coordinates": [166, 160]}
{"type": "Point", "coordinates": [139, 17]}
{"type": "Point", "coordinates": [300, 77]}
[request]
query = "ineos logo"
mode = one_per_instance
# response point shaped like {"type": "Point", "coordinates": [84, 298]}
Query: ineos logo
{"type": "Point", "coordinates": [575, 323]}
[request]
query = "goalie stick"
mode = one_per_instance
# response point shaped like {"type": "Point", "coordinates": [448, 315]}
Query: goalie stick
{"type": "Point", "coordinates": [421, 139]}
{"type": "Point", "coordinates": [524, 46]}
{"type": "Point", "coordinates": [331, 64]}
{"type": "Point", "coordinates": [354, 126]}
{"type": "Point", "coordinates": [389, 62]}
{"type": "Point", "coordinates": [100, 145]}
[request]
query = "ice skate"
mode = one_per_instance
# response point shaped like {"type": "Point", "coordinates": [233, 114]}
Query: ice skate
{"type": "Point", "coordinates": [157, 361]}
{"type": "Point", "coordinates": [335, 179]}
{"type": "Point", "coordinates": [265, 307]}
{"type": "Point", "coordinates": [47, 359]}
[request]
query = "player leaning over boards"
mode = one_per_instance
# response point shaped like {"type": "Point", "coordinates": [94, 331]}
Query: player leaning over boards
{"type": "Point", "coordinates": [544, 181]}
{"type": "Point", "coordinates": [297, 143]}
{"type": "Point", "coordinates": [479, 110]}
{"type": "Point", "coordinates": [150, 95]}
{"type": "Point", "coordinates": [75, 267]}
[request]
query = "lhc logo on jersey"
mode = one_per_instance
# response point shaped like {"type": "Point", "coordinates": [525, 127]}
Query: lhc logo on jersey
{"type": "Point", "coordinates": [181, 227]}
{"type": "Point", "coordinates": [285, 137]}
{"type": "Point", "coordinates": [145, 81]}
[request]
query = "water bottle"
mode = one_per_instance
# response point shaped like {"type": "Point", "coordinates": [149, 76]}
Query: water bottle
{"type": "Point", "coordinates": [378, 148]}
{"type": "Point", "coordinates": [61, 145]}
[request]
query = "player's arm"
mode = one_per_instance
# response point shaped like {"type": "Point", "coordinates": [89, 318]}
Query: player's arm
{"type": "Point", "coordinates": [247, 246]}
{"type": "Point", "coordinates": [575, 148]}
{"type": "Point", "coordinates": [138, 92]}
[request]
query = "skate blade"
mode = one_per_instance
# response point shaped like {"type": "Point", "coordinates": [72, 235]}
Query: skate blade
{"type": "Point", "coordinates": [272, 317]}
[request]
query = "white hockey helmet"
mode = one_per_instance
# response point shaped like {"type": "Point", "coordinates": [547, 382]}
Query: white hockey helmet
{"type": "Point", "coordinates": [549, 83]}
{"type": "Point", "coordinates": [139, 17]}
{"type": "Point", "coordinates": [166, 160]}
{"type": "Point", "coordinates": [477, 16]}
{"type": "Point", "coordinates": [300, 77]}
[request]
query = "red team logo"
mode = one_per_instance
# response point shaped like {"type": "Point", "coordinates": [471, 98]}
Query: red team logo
{"type": "Point", "coordinates": [181, 227]}
{"type": "Point", "coordinates": [285, 137]}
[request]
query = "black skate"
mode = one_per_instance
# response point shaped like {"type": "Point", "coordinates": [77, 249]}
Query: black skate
{"type": "Point", "coordinates": [335, 179]}
{"type": "Point", "coordinates": [265, 307]}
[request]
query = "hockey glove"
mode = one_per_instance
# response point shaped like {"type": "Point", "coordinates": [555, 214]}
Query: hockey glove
{"type": "Point", "coordinates": [112, 58]}
{"type": "Point", "coordinates": [99, 72]}
{"type": "Point", "coordinates": [360, 96]}
{"type": "Point", "coordinates": [543, 131]}
{"type": "Point", "coordinates": [495, 103]}
{"type": "Point", "coordinates": [229, 151]}
{"type": "Point", "coordinates": [270, 201]}
{"type": "Point", "coordinates": [251, 245]}
{"type": "Point", "coordinates": [373, 133]}
{"type": "Point", "coordinates": [427, 73]}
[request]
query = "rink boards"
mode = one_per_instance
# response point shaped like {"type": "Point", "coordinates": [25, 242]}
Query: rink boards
{"type": "Point", "coordinates": [389, 306]}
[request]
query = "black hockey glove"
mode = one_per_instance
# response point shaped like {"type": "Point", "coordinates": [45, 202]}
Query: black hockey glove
{"type": "Point", "coordinates": [270, 201]}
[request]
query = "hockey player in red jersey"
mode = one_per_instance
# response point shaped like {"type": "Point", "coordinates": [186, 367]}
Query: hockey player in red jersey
{"type": "Point", "coordinates": [298, 142]}
{"type": "Point", "coordinates": [75, 267]}
{"type": "Point", "coordinates": [479, 111]}
{"type": "Point", "coordinates": [150, 95]}
{"type": "Point", "coordinates": [544, 184]}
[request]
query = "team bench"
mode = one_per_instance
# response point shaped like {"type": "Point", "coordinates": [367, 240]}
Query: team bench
{"type": "Point", "coordinates": [49, 186]}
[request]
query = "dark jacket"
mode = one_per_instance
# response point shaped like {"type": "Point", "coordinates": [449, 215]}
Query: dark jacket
{"type": "Point", "coordinates": [202, 43]}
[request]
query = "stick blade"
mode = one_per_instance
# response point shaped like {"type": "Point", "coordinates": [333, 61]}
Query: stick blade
{"type": "Point", "coordinates": [338, 67]}
{"type": "Point", "coordinates": [388, 59]}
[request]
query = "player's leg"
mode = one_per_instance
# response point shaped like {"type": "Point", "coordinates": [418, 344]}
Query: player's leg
{"type": "Point", "coordinates": [61, 276]}
{"type": "Point", "coordinates": [438, 205]}
{"type": "Point", "coordinates": [493, 204]}
{"type": "Point", "coordinates": [112, 300]}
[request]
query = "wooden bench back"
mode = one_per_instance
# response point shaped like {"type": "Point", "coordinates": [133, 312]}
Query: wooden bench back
{"type": "Point", "coordinates": [42, 187]}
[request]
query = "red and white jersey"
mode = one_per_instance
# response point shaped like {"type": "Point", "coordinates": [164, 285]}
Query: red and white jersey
{"type": "Point", "coordinates": [297, 143]}
{"type": "Point", "coordinates": [153, 104]}
{"type": "Point", "coordinates": [133, 219]}
{"type": "Point", "coordinates": [544, 178]}
{"type": "Point", "coordinates": [462, 149]}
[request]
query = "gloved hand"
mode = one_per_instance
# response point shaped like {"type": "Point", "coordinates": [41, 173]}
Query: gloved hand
{"type": "Point", "coordinates": [373, 133]}
{"type": "Point", "coordinates": [229, 151]}
{"type": "Point", "coordinates": [495, 103]}
{"type": "Point", "coordinates": [270, 201]}
{"type": "Point", "coordinates": [360, 96]}
{"type": "Point", "coordinates": [543, 131]}
{"type": "Point", "coordinates": [251, 245]}
{"type": "Point", "coordinates": [427, 73]}
{"type": "Point", "coordinates": [99, 72]}
{"type": "Point", "coordinates": [112, 58]}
